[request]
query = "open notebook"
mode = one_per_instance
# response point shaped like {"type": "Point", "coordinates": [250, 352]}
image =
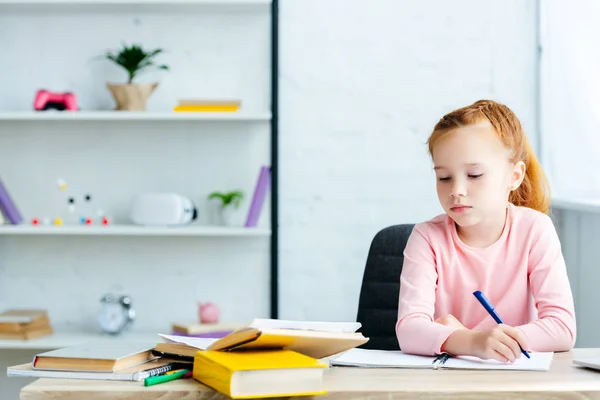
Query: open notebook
{"type": "Point", "coordinates": [315, 339]}
{"type": "Point", "coordinates": [397, 359]}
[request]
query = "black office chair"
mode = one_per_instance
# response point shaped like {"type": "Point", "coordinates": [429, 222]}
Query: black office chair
{"type": "Point", "coordinates": [378, 301]}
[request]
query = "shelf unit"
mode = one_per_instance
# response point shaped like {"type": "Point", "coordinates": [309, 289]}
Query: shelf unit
{"type": "Point", "coordinates": [138, 2]}
{"type": "Point", "coordinates": [137, 5]}
{"type": "Point", "coordinates": [18, 118]}
{"type": "Point", "coordinates": [173, 3]}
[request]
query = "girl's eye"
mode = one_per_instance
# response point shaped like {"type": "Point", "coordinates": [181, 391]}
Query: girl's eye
{"type": "Point", "coordinates": [444, 179]}
{"type": "Point", "coordinates": [475, 176]}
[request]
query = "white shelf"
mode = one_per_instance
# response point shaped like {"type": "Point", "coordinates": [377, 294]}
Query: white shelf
{"type": "Point", "coordinates": [130, 116]}
{"type": "Point", "coordinates": [137, 2]}
{"type": "Point", "coordinates": [131, 230]}
{"type": "Point", "coordinates": [172, 6]}
{"type": "Point", "coordinates": [63, 339]}
{"type": "Point", "coordinates": [582, 205]}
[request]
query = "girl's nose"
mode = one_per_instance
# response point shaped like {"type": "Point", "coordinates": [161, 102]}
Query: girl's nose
{"type": "Point", "coordinates": [459, 190]}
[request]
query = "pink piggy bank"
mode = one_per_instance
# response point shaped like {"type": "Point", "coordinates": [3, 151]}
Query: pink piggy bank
{"type": "Point", "coordinates": [208, 313]}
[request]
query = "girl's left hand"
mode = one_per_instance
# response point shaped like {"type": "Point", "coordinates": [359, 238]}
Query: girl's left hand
{"type": "Point", "coordinates": [451, 321]}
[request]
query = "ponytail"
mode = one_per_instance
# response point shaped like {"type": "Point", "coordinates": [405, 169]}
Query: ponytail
{"type": "Point", "coordinates": [534, 191]}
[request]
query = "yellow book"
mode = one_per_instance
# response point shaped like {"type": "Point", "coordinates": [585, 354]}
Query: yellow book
{"type": "Point", "coordinates": [207, 108]}
{"type": "Point", "coordinates": [259, 373]}
{"type": "Point", "coordinates": [316, 344]}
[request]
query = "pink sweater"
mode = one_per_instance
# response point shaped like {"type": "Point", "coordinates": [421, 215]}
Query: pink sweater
{"type": "Point", "coordinates": [523, 274]}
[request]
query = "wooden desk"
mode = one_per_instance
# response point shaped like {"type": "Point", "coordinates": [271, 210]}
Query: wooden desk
{"type": "Point", "coordinates": [563, 381]}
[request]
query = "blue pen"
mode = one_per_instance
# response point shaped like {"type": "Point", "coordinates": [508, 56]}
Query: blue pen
{"type": "Point", "coordinates": [490, 309]}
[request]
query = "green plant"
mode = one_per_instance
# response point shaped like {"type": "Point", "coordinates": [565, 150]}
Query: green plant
{"type": "Point", "coordinates": [228, 198]}
{"type": "Point", "coordinates": [134, 59]}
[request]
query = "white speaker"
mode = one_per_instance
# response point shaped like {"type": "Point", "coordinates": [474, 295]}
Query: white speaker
{"type": "Point", "coordinates": [162, 209]}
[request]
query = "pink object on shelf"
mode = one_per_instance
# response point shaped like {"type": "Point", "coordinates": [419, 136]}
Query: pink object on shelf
{"type": "Point", "coordinates": [45, 100]}
{"type": "Point", "coordinates": [208, 313]}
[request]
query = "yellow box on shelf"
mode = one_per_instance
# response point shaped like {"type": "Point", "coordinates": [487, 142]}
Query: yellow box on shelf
{"type": "Point", "coordinates": [192, 105]}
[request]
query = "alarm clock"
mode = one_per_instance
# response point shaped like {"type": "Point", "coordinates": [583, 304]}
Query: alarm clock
{"type": "Point", "coordinates": [115, 314]}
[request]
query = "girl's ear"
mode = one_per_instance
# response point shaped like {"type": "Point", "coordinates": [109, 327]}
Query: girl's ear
{"type": "Point", "coordinates": [518, 174]}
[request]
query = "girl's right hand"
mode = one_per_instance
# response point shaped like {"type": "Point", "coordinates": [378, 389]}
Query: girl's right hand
{"type": "Point", "coordinates": [501, 343]}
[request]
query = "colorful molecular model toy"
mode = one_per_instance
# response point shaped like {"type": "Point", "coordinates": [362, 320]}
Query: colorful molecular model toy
{"type": "Point", "coordinates": [72, 202]}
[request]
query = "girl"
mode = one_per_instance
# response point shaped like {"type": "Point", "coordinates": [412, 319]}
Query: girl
{"type": "Point", "coordinates": [495, 236]}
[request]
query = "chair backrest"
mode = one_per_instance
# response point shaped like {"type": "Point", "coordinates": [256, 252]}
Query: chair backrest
{"type": "Point", "coordinates": [378, 301]}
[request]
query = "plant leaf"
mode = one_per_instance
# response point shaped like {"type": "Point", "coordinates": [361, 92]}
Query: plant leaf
{"type": "Point", "coordinates": [134, 58]}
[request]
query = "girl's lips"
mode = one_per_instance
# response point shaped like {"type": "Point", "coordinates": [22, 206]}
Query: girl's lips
{"type": "Point", "coordinates": [460, 208]}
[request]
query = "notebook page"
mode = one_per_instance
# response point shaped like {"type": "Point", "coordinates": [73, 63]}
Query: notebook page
{"type": "Point", "coordinates": [537, 362]}
{"type": "Point", "coordinates": [381, 359]}
{"type": "Point", "coordinates": [199, 343]}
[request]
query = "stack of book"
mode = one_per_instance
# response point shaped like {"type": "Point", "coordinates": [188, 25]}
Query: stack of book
{"type": "Point", "coordinates": [273, 358]}
{"type": "Point", "coordinates": [102, 359]}
{"type": "Point", "coordinates": [24, 324]}
{"type": "Point", "coordinates": [267, 358]}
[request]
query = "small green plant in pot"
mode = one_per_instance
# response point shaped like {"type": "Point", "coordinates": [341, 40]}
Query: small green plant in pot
{"type": "Point", "coordinates": [135, 60]}
{"type": "Point", "coordinates": [228, 201]}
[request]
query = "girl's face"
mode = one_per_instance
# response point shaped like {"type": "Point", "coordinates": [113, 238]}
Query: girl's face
{"type": "Point", "coordinates": [474, 174]}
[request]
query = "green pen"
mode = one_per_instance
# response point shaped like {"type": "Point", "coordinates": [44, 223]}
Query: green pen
{"type": "Point", "coordinates": [155, 380]}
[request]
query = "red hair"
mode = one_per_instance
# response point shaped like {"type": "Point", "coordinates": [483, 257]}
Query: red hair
{"type": "Point", "coordinates": [534, 191]}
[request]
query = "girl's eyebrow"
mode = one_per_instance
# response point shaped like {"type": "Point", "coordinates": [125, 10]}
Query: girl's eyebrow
{"type": "Point", "coordinates": [438, 167]}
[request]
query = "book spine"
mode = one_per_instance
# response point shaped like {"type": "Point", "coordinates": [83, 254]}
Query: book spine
{"type": "Point", "coordinates": [262, 186]}
{"type": "Point", "coordinates": [8, 206]}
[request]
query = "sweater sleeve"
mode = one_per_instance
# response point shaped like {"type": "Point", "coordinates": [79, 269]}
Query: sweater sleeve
{"type": "Point", "coordinates": [555, 328]}
{"type": "Point", "coordinates": [416, 330]}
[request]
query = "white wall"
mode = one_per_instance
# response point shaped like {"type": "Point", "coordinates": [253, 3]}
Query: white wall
{"type": "Point", "coordinates": [569, 100]}
{"type": "Point", "coordinates": [361, 88]}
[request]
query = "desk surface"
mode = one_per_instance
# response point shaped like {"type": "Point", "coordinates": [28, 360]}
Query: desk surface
{"type": "Point", "coordinates": [564, 380]}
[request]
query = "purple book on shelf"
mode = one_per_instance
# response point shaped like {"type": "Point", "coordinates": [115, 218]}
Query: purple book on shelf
{"type": "Point", "coordinates": [8, 206]}
{"type": "Point", "coordinates": [262, 187]}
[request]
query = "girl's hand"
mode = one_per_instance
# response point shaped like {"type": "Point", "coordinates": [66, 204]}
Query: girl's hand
{"type": "Point", "coordinates": [501, 343]}
{"type": "Point", "coordinates": [451, 321]}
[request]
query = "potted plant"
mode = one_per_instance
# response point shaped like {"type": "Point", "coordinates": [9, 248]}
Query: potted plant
{"type": "Point", "coordinates": [135, 60]}
{"type": "Point", "coordinates": [228, 202]}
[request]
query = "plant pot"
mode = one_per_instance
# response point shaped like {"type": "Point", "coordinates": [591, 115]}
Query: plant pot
{"type": "Point", "coordinates": [131, 97]}
{"type": "Point", "coordinates": [225, 215]}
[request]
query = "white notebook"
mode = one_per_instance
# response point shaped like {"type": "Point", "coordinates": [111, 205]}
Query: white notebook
{"type": "Point", "coordinates": [397, 359]}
